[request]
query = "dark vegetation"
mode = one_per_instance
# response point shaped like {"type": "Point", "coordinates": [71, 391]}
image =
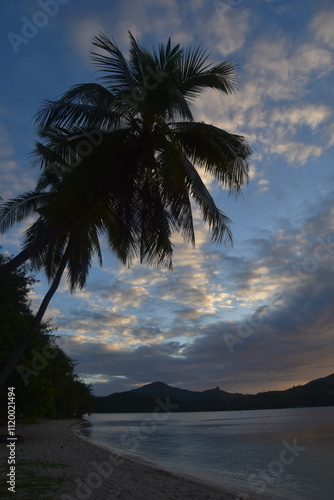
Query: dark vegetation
{"type": "Point", "coordinates": [319, 392]}
{"type": "Point", "coordinates": [45, 382]}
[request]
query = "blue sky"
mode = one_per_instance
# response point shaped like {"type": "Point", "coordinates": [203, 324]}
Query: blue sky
{"type": "Point", "coordinates": [252, 317]}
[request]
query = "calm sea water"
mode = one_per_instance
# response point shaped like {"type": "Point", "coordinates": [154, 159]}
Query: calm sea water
{"type": "Point", "coordinates": [286, 453]}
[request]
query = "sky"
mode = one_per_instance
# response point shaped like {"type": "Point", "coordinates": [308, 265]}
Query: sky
{"type": "Point", "coordinates": [251, 317]}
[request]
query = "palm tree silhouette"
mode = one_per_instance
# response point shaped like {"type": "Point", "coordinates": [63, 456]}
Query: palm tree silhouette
{"type": "Point", "coordinates": [120, 159]}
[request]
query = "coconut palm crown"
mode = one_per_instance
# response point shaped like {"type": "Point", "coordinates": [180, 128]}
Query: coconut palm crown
{"type": "Point", "coordinates": [134, 139]}
{"type": "Point", "coordinates": [132, 145]}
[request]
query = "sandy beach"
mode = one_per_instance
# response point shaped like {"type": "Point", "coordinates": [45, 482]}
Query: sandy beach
{"type": "Point", "coordinates": [53, 462]}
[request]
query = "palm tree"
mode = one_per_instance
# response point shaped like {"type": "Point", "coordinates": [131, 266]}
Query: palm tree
{"type": "Point", "coordinates": [145, 151]}
{"type": "Point", "coordinates": [135, 182]}
{"type": "Point", "coordinates": [143, 115]}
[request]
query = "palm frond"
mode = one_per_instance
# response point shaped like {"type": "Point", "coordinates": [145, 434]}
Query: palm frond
{"type": "Point", "coordinates": [168, 57]}
{"type": "Point", "coordinates": [224, 155]}
{"type": "Point", "coordinates": [118, 72]}
{"type": "Point", "coordinates": [87, 105]}
{"type": "Point", "coordinates": [219, 223]}
{"type": "Point", "coordinates": [155, 242]}
{"type": "Point", "coordinates": [174, 188]}
{"type": "Point", "coordinates": [196, 75]}
{"type": "Point", "coordinates": [17, 209]}
{"type": "Point", "coordinates": [84, 243]}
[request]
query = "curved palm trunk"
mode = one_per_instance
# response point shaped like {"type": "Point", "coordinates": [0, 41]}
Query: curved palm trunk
{"type": "Point", "coordinates": [15, 356]}
{"type": "Point", "coordinates": [28, 252]}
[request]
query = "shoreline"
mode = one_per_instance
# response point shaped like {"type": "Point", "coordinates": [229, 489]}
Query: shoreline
{"type": "Point", "coordinates": [55, 462]}
{"type": "Point", "coordinates": [227, 488]}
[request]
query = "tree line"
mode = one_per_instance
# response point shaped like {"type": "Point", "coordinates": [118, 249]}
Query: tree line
{"type": "Point", "coordinates": [44, 379]}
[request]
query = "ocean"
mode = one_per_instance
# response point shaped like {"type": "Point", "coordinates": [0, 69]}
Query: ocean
{"type": "Point", "coordinates": [288, 453]}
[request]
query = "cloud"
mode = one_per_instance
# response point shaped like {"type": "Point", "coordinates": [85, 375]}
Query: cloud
{"type": "Point", "coordinates": [311, 115]}
{"type": "Point", "coordinates": [133, 296]}
{"type": "Point", "coordinates": [287, 336]}
{"type": "Point", "coordinates": [228, 26]}
{"type": "Point", "coordinates": [96, 322]}
{"type": "Point", "coordinates": [322, 27]}
{"type": "Point", "coordinates": [83, 32]}
{"type": "Point", "coordinates": [161, 18]}
{"type": "Point", "coordinates": [310, 58]}
{"type": "Point", "coordinates": [132, 326]}
{"type": "Point", "coordinates": [264, 109]}
{"type": "Point", "coordinates": [263, 185]}
{"type": "Point", "coordinates": [297, 152]}
{"type": "Point", "coordinates": [281, 351]}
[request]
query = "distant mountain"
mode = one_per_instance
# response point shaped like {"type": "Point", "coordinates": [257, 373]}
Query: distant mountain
{"type": "Point", "coordinates": [161, 390]}
{"type": "Point", "coordinates": [319, 392]}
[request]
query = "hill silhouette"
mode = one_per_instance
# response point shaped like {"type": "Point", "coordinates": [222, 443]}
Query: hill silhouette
{"type": "Point", "coordinates": [319, 392]}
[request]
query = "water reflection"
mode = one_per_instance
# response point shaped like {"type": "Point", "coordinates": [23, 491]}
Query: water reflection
{"type": "Point", "coordinates": [232, 446]}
